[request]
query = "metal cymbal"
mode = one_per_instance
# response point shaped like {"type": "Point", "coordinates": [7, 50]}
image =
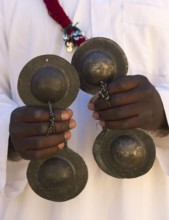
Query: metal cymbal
{"type": "Point", "coordinates": [44, 79]}
{"type": "Point", "coordinates": [48, 78]}
{"type": "Point", "coordinates": [58, 178]}
{"type": "Point", "coordinates": [99, 59]}
{"type": "Point", "coordinates": [124, 153]}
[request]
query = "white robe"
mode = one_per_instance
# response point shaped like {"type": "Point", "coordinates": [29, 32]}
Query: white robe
{"type": "Point", "coordinates": [141, 28]}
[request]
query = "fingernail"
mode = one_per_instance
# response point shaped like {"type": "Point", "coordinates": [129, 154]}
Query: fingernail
{"type": "Point", "coordinates": [64, 115]}
{"type": "Point", "coordinates": [61, 146]}
{"type": "Point", "coordinates": [72, 124]}
{"type": "Point", "coordinates": [102, 123]}
{"type": "Point", "coordinates": [94, 98]}
{"type": "Point", "coordinates": [67, 135]}
{"type": "Point", "coordinates": [95, 115]}
{"type": "Point", "coordinates": [91, 106]}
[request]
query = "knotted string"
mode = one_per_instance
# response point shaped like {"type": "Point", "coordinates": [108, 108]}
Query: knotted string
{"type": "Point", "coordinates": [52, 128]}
{"type": "Point", "coordinates": [103, 92]}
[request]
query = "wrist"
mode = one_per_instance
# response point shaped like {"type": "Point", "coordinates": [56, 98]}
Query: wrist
{"type": "Point", "coordinates": [162, 130]}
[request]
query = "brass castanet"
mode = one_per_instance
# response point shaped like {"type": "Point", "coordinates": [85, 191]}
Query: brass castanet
{"type": "Point", "coordinates": [51, 79]}
{"type": "Point", "coordinates": [121, 154]}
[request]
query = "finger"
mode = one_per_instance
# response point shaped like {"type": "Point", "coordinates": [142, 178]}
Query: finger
{"type": "Point", "coordinates": [128, 97]}
{"type": "Point", "coordinates": [125, 83]}
{"type": "Point", "coordinates": [122, 90]}
{"type": "Point", "coordinates": [120, 99]}
{"type": "Point", "coordinates": [118, 113]}
{"type": "Point", "coordinates": [128, 123]}
{"type": "Point", "coordinates": [40, 154]}
{"type": "Point", "coordinates": [39, 129]}
{"type": "Point", "coordinates": [32, 114]}
{"type": "Point", "coordinates": [36, 143]}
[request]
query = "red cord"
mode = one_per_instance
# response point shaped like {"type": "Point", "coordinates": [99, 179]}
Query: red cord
{"type": "Point", "coordinates": [57, 13]}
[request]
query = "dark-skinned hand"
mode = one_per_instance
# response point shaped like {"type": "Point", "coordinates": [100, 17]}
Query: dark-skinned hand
{"type": "Point", "coordinates": [28, 128]}
{"type": "Point", "coordinates": [135, 103]}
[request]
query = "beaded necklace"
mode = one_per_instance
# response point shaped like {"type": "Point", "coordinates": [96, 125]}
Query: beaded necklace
{"type": "Point", "coordinates": [72, 35]}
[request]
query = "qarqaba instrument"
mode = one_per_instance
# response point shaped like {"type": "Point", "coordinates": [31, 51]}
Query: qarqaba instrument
{"type": "Point", "coordinates": [119, 153]}
{"type": "Point", "coordinates": [50, 81]}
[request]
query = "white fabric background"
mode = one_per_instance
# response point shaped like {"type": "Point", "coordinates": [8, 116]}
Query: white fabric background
{"type": "Point", "coordinates": [141, 29]}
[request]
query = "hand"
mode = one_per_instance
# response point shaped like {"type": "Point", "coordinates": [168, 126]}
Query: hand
{"type": "Point", "coordinates": [135, 103]}
{"type": "Point", "coordinates": [28, 128]}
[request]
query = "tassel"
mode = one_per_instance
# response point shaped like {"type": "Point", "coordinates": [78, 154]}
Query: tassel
{"type": "Point", "coordinates": [72, 35]}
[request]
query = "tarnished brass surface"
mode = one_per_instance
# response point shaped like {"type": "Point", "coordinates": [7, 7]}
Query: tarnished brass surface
{"type": "Point", "coordinates": [124, 153]}
{"type": "Point", "coordinates": [121, 154]}
{"type": "Point", "coordinates": [48, 78]}
{"type": "Point", "coordinates": [58, 178]}
{"type": "Point", "coordinates": [98, 59]}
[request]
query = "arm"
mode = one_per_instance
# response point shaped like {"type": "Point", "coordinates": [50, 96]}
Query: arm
{"type": "Point", "coordinates": [21, 121]}
{"type": "Point", "coordinates": [6, 107]}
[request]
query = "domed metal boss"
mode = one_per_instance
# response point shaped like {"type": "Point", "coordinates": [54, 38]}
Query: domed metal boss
{"type": "Point", "coordinates": [58, 178]}
{"type": "Point", "coordinates": [48, 78]}
{"type": "Point", "coordinates": [99, 59]}
{"type": "Point", "coordinates": [44, 79]}
{"type": "Point", "coordinates": [124, 153]}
